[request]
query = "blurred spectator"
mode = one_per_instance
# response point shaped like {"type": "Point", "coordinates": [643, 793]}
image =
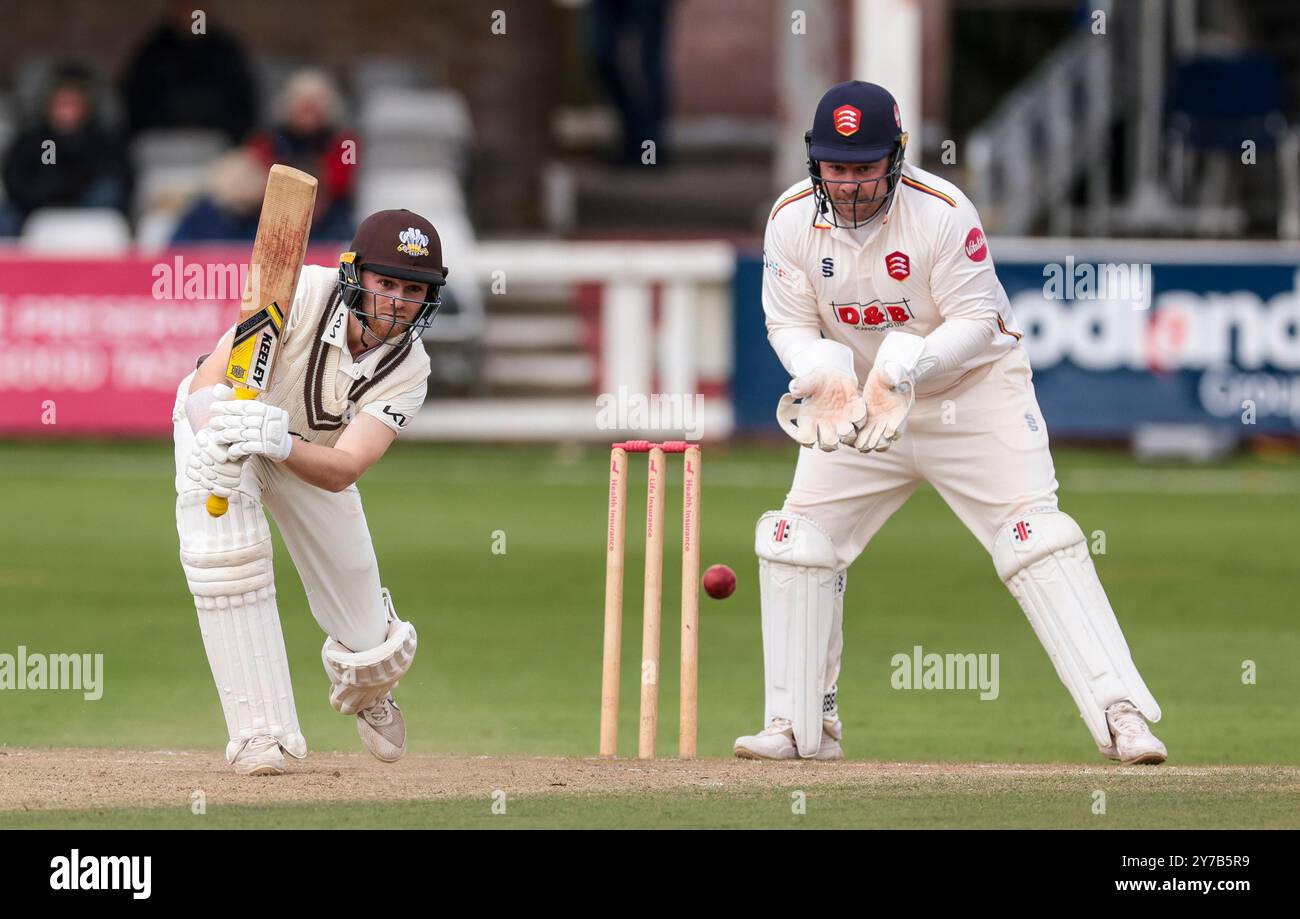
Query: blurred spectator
{"type": "Point", "coordinates": [634, 77]}
{"type": "Point", "coordinates": [67, 158]}
{"type": "Point", "coordinates": [230, 209]}
{"type": "Point", "coordinates": [182, 80]}
{"type": "Point", "coordinates": [307, 135]}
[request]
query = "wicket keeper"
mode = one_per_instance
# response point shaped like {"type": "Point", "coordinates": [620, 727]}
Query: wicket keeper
{"type": "Point", "coordinates": [882, 302]}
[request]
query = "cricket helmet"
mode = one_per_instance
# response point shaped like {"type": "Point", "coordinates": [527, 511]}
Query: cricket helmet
{"type": "Point", "coordinates": [398, 244]}
{"type": "Point", "coordinates": [856, 122]}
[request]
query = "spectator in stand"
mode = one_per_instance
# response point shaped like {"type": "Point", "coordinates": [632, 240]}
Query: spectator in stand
{"type": "Point", "coordinates": [67, 158]}
{"type": "Point", "coordinates": [307, 135]}
{"type": "Point", "coordinates": [180, 79]}
{"type": "Point", "coordinates": [628, 41]}
{"type": "Point", "coordinates": [230, 209]}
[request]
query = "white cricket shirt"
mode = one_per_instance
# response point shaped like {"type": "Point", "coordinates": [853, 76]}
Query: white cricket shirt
{"type": "Point", "coordinates": [924, 261]}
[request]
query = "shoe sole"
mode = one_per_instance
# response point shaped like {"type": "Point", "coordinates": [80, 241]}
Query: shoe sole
{"type": "Point", "coordinates": [384, 759]}
{"type": "Point", "coordinates": [1146, 759]}
{"type": "Point", "coordinates": [742, 753]}
{"type": "Point", "coordinates": [262, 769]}
{"type": "Point", "coordinates": [745, 753]}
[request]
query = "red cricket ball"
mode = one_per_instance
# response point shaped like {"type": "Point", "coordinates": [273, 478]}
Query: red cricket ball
{"type": "Point", "coordinates": [719, 582]}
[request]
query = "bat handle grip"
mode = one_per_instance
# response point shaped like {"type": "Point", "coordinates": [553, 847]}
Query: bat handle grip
{"type": "Point", "coordinates": [217, 506]}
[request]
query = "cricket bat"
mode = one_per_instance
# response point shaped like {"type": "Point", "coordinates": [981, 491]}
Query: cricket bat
{"type": "Point", "coordinates": [278, 251]}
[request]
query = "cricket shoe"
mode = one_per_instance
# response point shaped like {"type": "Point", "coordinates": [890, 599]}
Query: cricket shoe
{"type": "Point", "coordinates": [383, 729]}
{"type": "Point", "coordinates": [259, 755]}
{"type": "Point", "coordinates": [776, 741]}
{"type": "Point", "coordinates": [1132, 742]}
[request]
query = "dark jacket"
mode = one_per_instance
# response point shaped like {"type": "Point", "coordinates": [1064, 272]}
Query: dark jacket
{"type": "Point", "coordinates": [90, 169]}
{"type": "Point", "coordinates": [184, 81]}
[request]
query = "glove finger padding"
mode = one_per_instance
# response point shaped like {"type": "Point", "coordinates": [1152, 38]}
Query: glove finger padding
{"type": "Point", "coordinates": [253, 428]}
{"type": "Point", "coordinates": [239, 407]}
{"type": "Point", "coordinates": [787, 415]}
{"type": "Point", "coordinates": [888, 405]}
{"type": "Point", "coordinates": [828, 437]}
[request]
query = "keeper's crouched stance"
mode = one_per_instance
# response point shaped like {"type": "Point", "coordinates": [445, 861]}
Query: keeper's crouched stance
{"type": "Point", "coordinates": [351, 374]}
{"type": "Point", "coordinates": [875, 267]}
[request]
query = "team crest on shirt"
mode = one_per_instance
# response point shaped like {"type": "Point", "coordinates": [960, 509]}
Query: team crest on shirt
{"type": "Point", "coordinates": [413, 242]}
{"type": "Point", "coordinates": [898, 265]}
{"type": "Point", "coordinates": [875, 316]}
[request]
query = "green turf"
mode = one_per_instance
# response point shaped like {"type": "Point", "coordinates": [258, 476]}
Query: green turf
{"type": "Point", "coordinates": [1202, 573]}
{"type": "Point", "coordinates": [1069, 802]}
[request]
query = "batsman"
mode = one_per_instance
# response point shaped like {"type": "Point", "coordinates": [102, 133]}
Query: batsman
{"type": "Point", "coordinates": [350, 373]}
{"type": "Point", "coordinates": [882, 302]}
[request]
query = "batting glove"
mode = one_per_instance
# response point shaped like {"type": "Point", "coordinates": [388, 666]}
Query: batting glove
{"type": "Point", "coordinates": [252, 428]}
{"type": "Point", "coordinates": [210, 466]}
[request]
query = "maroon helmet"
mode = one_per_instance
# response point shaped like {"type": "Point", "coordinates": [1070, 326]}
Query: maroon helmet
{"type": "Point", "coordinates": [398, 244]}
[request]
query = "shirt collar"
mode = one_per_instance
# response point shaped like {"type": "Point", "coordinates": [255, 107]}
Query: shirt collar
{"type": "Point", "coordinates": [336, 334]}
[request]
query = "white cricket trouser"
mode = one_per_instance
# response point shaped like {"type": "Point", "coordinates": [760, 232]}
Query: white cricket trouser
{"type": "Point", "coordinates": [982, 445]}
{"type": "Point", "coordinates": [326, 535]}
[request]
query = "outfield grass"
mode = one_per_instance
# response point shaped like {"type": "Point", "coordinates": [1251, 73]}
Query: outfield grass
{"type": "Point", "coordinates": [1200, 566]}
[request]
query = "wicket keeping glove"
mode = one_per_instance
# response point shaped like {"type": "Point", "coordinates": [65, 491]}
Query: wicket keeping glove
{"type": "Point", "coordinates": [890, 391]}
{"type": "Point", "coordinates": [830, 409]}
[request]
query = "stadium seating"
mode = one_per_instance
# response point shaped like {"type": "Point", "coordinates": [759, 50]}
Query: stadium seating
{"type": "Point", "coordinates": [76, 232]}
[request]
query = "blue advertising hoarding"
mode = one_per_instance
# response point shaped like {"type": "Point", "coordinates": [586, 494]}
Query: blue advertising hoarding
{"type": "Point", "coordinates": [1120, 334]}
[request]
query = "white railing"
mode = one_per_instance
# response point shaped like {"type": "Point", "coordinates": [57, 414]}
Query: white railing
{"type": "Point", "coordinates": [687, 347]}
{"type": "Point", "coordinates": [694, 333]}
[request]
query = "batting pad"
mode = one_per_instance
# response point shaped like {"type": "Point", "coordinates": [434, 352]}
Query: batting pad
{"type": "Point", "coordinates": [1043, 558]}
{"type": "Point", "coordinates": [360, 679]}
{"type": "Point", "coordinates": [800, 591]}
{"type": "Point", "coordinates": [227, 562]}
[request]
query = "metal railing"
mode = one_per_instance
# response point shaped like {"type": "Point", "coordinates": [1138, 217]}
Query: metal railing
{"type": "Point", "coordinates": [1053, 128]}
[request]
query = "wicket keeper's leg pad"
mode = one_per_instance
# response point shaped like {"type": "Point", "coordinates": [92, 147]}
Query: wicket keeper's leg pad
{"type": "Point", "coordinates": [359, 679]}
{"type": "Point", "coordinates": [227, 562]}
{"type": "Point", "coordinates": [800, 591]}
{"type": "Point", "coordinates": [1043, 559]}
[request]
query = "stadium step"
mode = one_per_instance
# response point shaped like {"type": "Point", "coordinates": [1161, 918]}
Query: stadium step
{"type": "Point", "coordinates": [543, 371]}
{"type": "Point", "coordinates": [528, 331]}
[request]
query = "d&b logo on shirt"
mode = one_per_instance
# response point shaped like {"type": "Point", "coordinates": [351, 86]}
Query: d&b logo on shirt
{"type": "Point", "coordinates": [873, 316]}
